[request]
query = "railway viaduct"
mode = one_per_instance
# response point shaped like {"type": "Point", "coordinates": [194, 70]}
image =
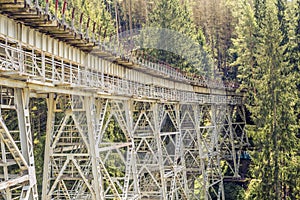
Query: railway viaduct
{"type": "Point", "coordinates": [176, 133]}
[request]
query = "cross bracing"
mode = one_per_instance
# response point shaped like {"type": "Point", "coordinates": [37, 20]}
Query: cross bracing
{"type": "Point", "coordinates": [171, 139]}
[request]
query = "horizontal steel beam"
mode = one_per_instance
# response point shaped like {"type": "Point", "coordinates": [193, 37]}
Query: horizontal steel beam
{"type": "Point", "coordinates": [13, 182]}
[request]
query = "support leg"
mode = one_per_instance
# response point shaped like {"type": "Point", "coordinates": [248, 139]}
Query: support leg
{"type": "Point", "coordinates": [22, 102]}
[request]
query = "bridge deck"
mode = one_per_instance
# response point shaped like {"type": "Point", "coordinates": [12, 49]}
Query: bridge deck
{"type": "Point", "coordinates": [37, 68]}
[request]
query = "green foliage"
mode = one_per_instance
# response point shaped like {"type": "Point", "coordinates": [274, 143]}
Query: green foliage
{"type": "Point", "coordinates": [216, 19]}
{"type": "Point", "coordinates": [234, 191]}
{"type": "Point", "coordinates": [38, 114]}
{"type": "Point", "coordinates": [246, 44]}
{"type": "Point", "coordinates": [252, 190]}
{"type": "Point", "coordinates": [188, 40]}
{"type": "Point", "coordinates": [171, 15]}
{"type": "Point", "coordinates": [114, 132]}
{"type": "Point", "coordinates": [263, 50]}
{"type": "Point", "coordinates": [93, 9]}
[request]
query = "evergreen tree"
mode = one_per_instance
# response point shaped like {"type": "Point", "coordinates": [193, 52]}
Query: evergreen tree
{"type": "Point", "coordinates": [184, 41]}
{"type": "Point", "coordinates": [272, 97]}
{"type": "Point", "coordinates": [281, 15]}
{"type": "Point", "coordinates": [294, 60]}
{"type": "Point", "coordinates": [245, 46]}
{"type": "Point", "coordinates": [215, 18]}
{"type": "Point", "coordinates": [260, 11]}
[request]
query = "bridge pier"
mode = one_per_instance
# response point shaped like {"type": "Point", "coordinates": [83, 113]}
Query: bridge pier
{"type": "Point", "coordinates": [17, 159]}
{"type": "Point", "coordinates": [22, 104]}
{"type": "Point", "coordinates": [68, 159]}
{"type": "Point", "coordinates": [94, 117]}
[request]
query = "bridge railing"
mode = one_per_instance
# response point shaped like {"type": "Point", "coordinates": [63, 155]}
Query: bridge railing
{"type": "Point", "coordinates": [56, 71]}
{"type": "Point", "coordinates": [168, 71]}
{"type": "Point", "coordinates": [163, 68]}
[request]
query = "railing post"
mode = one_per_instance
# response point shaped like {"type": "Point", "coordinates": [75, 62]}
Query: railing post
{"type": "Point", "coordinates": [63, 12]}
{"type": "Point", "coordinates": [94, 28]}
{"type": "Point", "coordinates": [36, 4]}
{"type": "Point", "coordinates": [73, 18]}
{"type": "Point", "coordinates": [80, 23]}
{"type": "Point", "coordinates": [56, 9]}
{"type": "Point", "coordinates": [100, 27]}
{"type": "Point", "coordinates": [43, 66]}
{"type": "Point", "coordinates": [87, 28]}
{"type": "Point", "coordinates": [47, 7]}
{"type": "Point", "coordinates": [62, 71]}
{"type": "Point", "coordinates": [53, 69]}
{"type": "Point", "coordinates": [26, 3]}
{"type": "Point", "coordinates": [71, 74]}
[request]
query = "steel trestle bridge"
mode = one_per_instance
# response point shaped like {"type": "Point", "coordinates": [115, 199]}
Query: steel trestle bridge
{"type": "Point", "coordinates": [173, 136]}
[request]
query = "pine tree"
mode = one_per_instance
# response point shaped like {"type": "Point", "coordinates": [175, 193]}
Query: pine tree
{"type": "Point", "coordinates": [245, 46]}
{"type": "Point", "coordinates": [216, 19]}
{"type": "Point", "coordinates": [181, 37]}
{"type": "Point", "coordinates": [260, 11]}
{"type": "Point", "coordinates": [272, 96]}
{"type": "Point", "coordinates": [294, 60]}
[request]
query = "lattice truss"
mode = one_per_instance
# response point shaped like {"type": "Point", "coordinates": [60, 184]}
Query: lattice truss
{"type": "Point", "coordinates": [127, 149]}
{"type": "Point", "coordinates": [120, 149]}
{"type": "Point", "coordinates": [213, 139]}
{"type": "Point", "coordinates": [157, 139]}
{"type": "Point", "coordinates": [17, 169]}
{"type": "Point", "coordinates": [69, 169]}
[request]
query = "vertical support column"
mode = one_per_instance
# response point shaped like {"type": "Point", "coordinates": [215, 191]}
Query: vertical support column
{"type": "Point", "coordinates": [232, 142]}
{"type": "Point", "coordinates": [215, 151]}
{"type": "Point", "coordinates": [101, 105]}
{"type": "Point", "coordinates": [156, 119]}
{"type": "Point", "coordinates": [198, 118]}
{"type": "Point", "coordinates": [191, 153]}
{"type": "Point", "coordinates": [49, 130]}
{"type": "Point", "coordinates": [22, 102]}
{"type": "Point", "coordinates": [131, 163]}
{"type": "Point", "coordinates": [90, 115]}
{"type": "Point", "coordinates": [182, 154]}
{"type": "Point", "coordinates": [8, 194]}
{"type": "Point", "coordinates": [3, 154]}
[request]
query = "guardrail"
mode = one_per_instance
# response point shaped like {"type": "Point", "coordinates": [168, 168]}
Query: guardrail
{"type": "Point", "coordinates": [56, 71]}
